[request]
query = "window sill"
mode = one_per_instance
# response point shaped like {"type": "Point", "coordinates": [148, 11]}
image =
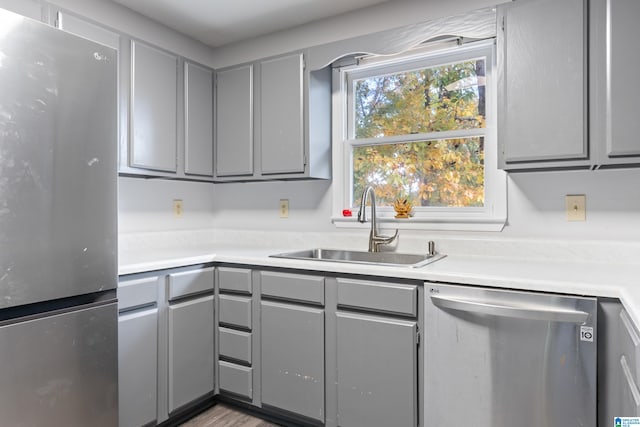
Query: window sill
{"type": "Point", "coordinates": [413, 223]}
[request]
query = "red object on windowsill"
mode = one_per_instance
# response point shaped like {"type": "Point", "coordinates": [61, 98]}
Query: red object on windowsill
{"type": "Point", "coordinates": [347, 212]}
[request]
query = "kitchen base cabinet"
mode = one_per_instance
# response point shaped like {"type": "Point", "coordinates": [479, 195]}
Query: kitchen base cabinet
{"type": "Point", "coordinates": [293, 358]}
{"type": "Point", "coordinates": [377, 371]}
{"type": "Point", "coordinates": [190, 351]}
{"type": "Point", "coordinates": [138, 351]}
{"type": "Point", "coordinates": [138, 367]}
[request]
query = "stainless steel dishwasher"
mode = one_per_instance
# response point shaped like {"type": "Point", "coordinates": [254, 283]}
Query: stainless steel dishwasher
{"type": "Point", "coordinates": [497, 358]}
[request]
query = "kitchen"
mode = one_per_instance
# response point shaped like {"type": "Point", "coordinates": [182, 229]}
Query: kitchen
{"type": "Point", "coordinates": [536, 235]}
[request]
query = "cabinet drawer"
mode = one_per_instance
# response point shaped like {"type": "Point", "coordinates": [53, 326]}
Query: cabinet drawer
{"type": "Point", "coordinates": [236, 379]}
{"type": "Point", "coordinates": [296, 287]}
{"type": "Point", "coordinates": [377, 296]}
{"type": "Point", "coordinates": [630, 344]}
{"type": "Point", "coordinates": [235, 310]}
{"type": "Point", "coordinates": [137, 293]}
{"type": "Point", "coordinates": [234, 279]}
{"type": "Point", "coordinates": [190, 282]}
{"type": "Point", "coordinates": [235, 344]}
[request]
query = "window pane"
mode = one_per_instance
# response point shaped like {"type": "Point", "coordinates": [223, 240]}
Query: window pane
{"type": "Point", "coordinates": [446, 172]}
{"type": "Point", "coordinates": [434, 99]}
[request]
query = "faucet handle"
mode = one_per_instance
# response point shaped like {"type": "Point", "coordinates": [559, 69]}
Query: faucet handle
{"type": "Point", "coordinates": [431, 248]}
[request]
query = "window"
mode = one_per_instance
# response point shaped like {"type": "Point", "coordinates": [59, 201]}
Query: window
{"type": "Point", "coordinates": [421, 127]}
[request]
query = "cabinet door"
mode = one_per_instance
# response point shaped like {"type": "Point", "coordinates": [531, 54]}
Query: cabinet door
{"type": "Point", "coordinates": [542, 113]}
{"type": "Point", "coordinates": [137, 367]}
{"type": "Point", "coordinates": [377, 371]}
{"type": "Point", "coordinates": [29, 8]}
{"type": "Point", "coordinates": [234, 121]}
{"type": "Point", "coordinates": [198, 118]}
{"type": "Point", "coordinates": [293, 358]}
{"type": "Point", "coordinates": [190, 351]}
{"type": "Point", "coordinates": [281, 110]}
{"type": "Point", "coordinates": [153, 108]}
{"type": "Point", "coordinates": [622, 124]}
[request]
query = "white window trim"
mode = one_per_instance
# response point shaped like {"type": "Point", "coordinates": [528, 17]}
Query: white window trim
{"type": "Point", "coordinates": [491, 217]}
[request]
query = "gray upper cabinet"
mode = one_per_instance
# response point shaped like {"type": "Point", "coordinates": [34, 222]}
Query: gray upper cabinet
{"type": "Point", "coordinates": [618, 64]}
{"type": "Point", "coordinates": [234, 122]}
{"type": "Point", "coordinates": [282, 120]}
{"type": "Point", "coordinates": [273, 121]}
{"type": "Point", "coordinates": [198, 117]}
{"type": "Point", "coordinates": [153, 122]}
{"type": "Point", "coordinates": [542, 84]}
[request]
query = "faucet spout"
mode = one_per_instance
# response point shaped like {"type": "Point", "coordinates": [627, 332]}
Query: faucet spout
{"type": "Point", "coordinates": [375, 239]}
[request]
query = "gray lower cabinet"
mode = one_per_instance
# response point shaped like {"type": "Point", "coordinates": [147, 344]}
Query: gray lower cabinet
{"type": "Point", "coordinates": [293, 358]}
{"type": "Point", "coordinates": [191, 360]}
{"type": "Point", "coordinates": [377, 371]}
{"type": "Point", "coordinates": [138, 351]}
{"type": "Point", "coordinates": [138, 367]}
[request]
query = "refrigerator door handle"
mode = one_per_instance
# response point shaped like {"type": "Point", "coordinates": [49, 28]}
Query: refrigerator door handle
{"type": "Point", "coordinates": [519, 311]}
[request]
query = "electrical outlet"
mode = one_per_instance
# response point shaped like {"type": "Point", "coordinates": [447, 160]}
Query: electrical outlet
{"type": "Point", "coordinates": [177, 208]}
{"type": "Point", "coordinates": [576, 207]}
{"type": "Point", "coordinates": [284, 208]}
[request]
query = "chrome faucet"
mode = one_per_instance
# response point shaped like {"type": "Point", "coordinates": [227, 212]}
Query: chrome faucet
{"type": "Point", "coordinates": [375, 240]}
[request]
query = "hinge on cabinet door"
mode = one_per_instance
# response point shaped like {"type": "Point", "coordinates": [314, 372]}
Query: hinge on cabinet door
{"type": "Point", "coordinates": [503, 23]}
{"type": "Point", "coordinates": [304, 160]}
{"type": "Point", "coordinates": [418, 336]}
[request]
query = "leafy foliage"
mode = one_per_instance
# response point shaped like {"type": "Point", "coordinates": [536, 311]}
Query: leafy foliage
{"type": "Point", "coordinates": [438, 172]}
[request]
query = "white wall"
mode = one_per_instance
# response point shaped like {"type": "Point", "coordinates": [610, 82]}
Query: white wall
{"type": "Point", "coordinates": [129, 22]}
{"type": "Point", "coordinates": [381, 17]}
{"type": "Point", "coordinates": [147, 205]}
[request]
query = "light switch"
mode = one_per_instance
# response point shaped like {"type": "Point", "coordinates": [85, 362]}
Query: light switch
{"type": "Point", "coordinates": [576, 207]}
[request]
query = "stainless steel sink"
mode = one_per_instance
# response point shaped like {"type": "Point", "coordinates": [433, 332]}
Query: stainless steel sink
{"type": "Point", "coordinates": [361, 257]}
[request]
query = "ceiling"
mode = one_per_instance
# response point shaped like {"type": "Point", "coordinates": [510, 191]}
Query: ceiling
{"type": "Point", "coordinates": [220, 22]}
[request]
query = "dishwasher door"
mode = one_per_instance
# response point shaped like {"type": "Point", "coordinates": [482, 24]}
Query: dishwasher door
{"type": "Point", "coordinates": [497, 358]}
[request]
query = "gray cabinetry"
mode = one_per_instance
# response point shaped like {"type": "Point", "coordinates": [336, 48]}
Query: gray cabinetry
{"type": "Point", "coordinates": [273, 120]}
{"type": "Point", "coordinates": [372, 372]}
{"type": "Point", "coordinates": [628, 367]}
{"type": "Point", "coordinates": [234, 122]}
{"type": "Point", "coordinates": [281, 115]}
{"type": "Point", "coordinates": [377, 373]}
{"type": "Point", "coordinates": [153, 126]}
{"type": "Point", "coordinates": [293, 358]}
{"type": "Point", "coordinates": [191, 362]}
{"type": "Point", "coordinates": [198, 120]}
{"type": "Point", "coordinates": [617, 24]}
{"type": "Point", "coordinates": [29, 8]}
{"type": "Point", "coordinates": [238, 351]}
{"type": "Point", "coordinates": [542, 84]}
{"type": "Point", "coordinates": [137, 351]}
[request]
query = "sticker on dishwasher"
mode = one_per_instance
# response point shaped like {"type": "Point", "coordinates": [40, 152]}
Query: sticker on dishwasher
{"type": "Point", "coordinates": [626, 421]}
{"type": "Point", "coordinates": [586, 333]}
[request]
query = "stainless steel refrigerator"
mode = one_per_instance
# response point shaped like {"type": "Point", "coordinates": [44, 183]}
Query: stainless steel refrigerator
{"type": "Point", "coordinates": [58, 266]}
{"type": "Point", "coordinates": [500, 358]}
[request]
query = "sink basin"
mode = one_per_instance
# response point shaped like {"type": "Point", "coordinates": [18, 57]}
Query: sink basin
{"type": "Point", "coordinates": [361, 257]}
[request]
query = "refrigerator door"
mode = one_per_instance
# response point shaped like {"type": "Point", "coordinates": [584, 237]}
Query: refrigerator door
{"type": "Point", "coordinates": [60, 370]}
{"type": "Point", "coordinates": [505, 358]}
{"type": "Point", "coordinates": [58, 139]}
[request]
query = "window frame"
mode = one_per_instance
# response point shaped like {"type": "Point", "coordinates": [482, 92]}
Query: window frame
{"type": "Point", "coordinates": [490, 217]}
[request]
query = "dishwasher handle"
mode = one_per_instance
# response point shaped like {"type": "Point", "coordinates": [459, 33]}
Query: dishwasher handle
{"type": "Point", "coordinates": [531, 311]}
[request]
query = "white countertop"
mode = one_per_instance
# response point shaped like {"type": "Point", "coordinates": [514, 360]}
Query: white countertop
{"type": "Point", "coordinates": [605, 279]}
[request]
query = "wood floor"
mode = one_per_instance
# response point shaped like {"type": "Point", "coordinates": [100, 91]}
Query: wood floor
{"type": "Point", "coordinates": [222, 415]}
